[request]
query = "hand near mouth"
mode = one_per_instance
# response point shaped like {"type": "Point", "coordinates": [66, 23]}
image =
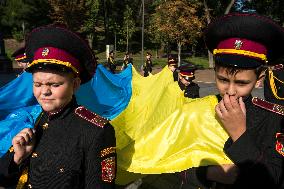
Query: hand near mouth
{"type": "Point", "coordinates": [232, 114]}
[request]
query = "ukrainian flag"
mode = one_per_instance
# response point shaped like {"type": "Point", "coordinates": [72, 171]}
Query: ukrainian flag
{"type": "Point", "coordinates": [158, 130]}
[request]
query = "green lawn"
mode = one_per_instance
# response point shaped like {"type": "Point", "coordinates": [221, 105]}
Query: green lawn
{"type": "Point", "coordinates": [201, 62]}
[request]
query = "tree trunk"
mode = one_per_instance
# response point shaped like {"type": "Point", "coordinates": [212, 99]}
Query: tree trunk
{"type": "Point", "coordinates": [207, 13]}
{"type": "Point", "coordinates": [90, 38]}
{"type": "Point", "coordinates": [127, 48]}
{"type": "Point", "coordinates": [179, 52]}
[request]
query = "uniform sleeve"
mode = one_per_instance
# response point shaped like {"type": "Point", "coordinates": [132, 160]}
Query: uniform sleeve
{"type": "Point", "coordinates": [259, 164]}
{"type": "Point", "coordinates": [9, 171]}
{"type": "Point", "coordinates": [100, 162]}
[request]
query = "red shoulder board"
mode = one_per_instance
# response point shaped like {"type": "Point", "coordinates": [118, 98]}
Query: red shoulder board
{"type": "Point", "coordinates": [268, 105]}
{"type": "Point", "coordinates": [278, 67]}
{"type": "Point", "coordinates": [91, 116]}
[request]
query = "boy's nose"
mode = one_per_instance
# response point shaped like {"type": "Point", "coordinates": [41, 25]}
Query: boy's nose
{"type": "Point", "coordinates": [231, 91]}
{"type": "Point", "coordinates": [45, 90]}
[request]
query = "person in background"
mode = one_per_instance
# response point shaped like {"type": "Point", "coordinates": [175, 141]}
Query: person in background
{"type": "Point", "coordinates": [274, 84]}
{"type": "Point", "coordinates": [126, 60]}
{"type": "Point", "coordinates": [241, 55]}
{"type": "Point", "coordinates": [186, 84]}
{"type": "Point", "coordinates": [111, 62]}
{"type": "Point", "coordinates": [172, 65]}
{"type": "Point", "coordinates": [147, 67]}
{"type": "Point", "coordinates": [69, 146]}
{"type": "Point", "coordinates": [20, 57]}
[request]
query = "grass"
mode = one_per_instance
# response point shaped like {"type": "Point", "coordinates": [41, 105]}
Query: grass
{"type": "Point", "coordinates": [200, 62]}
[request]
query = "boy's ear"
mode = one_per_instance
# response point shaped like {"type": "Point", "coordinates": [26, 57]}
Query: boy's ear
{"type": "Point", "coordinates": [259, 82]}
{"type": "Point", "coordinates": [77, 82]}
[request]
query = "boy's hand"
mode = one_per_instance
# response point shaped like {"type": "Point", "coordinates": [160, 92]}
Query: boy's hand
{"type": "Point", "coordinates": [232, 113]}
{"type": "Point", "coordinates": [23, 144]}
{"type": "Point", "coordinates": [225, 174]}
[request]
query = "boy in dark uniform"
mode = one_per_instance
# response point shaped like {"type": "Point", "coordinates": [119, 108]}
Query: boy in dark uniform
{"type": "Point", "coordinates": [274, 84]}
{"type": "Point", "coordinates": [186, 84]}
{"type": "Point", "coordinates": [111, 62]}
{"type": "Point", "coordinates": [147, 67]}
{"type": "Point", "coordinates": [20, 57]}
{"type": "Point", "coordinates": [69, 146]}
{"type": "Point", "coordinates": [252, 124]}
{"type": "Point", "coordinates": [126, 60]}
{"type": "Point", "coordinates": [172, 65]}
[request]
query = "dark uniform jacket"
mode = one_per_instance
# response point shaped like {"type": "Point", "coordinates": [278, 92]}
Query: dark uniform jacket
{"type": "Point", "coordinates": [75, 148]}
{"type": "Point", "coordinates": [260, 165]}
{"type": "Point", "coordinates": [192, 90]}
{"type": "Point", "coordinates": [147, 67]}
{"type": "Point", "coordinates": [111, 64]}
{"type": "Point", "coordinates": [175, 75]}
{"type": "Point", "coordinates": [126, 62]}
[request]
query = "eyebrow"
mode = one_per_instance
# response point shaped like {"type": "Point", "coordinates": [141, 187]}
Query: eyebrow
{"type": "Point", "coordinates": [242, 81]}
{"type": "Point", "coordinates": [236, 81]}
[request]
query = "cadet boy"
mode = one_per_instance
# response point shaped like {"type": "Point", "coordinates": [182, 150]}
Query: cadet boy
{"type": "Point", "coordinates": [111, 62]}
{"type": "Point", "coordinates": [20, 57]}
{"type": "Point", "coordinates": [126, 60]}
{"type": "Point", "coordinates": [147, 67]}
{"type": "Point", "coordinates": [172, 65]}
{"type": "Point", "coordinates": [69, 146]}
{"type": "Point", "coordinates": [186, 84]}
{"type": "Point", "coordinates": [243, 44]}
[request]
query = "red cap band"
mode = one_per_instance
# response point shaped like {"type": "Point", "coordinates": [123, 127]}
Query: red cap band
{"type": "Point", "coordinates": [190, 74]}
{"type": "Point", "coordinates": [242, 44]}
{"type": "Point", "coordinates": [56, 56]}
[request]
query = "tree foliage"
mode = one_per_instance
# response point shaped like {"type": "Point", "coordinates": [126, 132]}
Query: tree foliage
{"type": "Point", "coordinates": [71, 13]}
{"type": "Point", "coordinates": [106, 21]}
{"type": "Point", "coordinates": [128, 28]}
{"type": "Point", "coordinates": [177, 21]}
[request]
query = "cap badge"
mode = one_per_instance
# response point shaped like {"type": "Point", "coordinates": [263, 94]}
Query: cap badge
{"type": "Point", "coordinates": [238, 44]}
{"type": "Point", "coordinates": [45, 52]}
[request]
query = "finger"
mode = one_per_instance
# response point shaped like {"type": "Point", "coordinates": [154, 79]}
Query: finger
{"type": "Point", "coordinates": [218, 111]}
{"type": "Point", "coordinates": [19, 140]}
{"type": "Point", "coordinates": [227, 102]}
{"type": "Point", "coordinates": [242, 105]}
{"type": "Point", "coordinates": [222, 107]}
{"type": "Point", "coordinates": [234, 102]}
{"type": "Point", "coordinates": [28, 134]}
{"type": "Point", "coordinates": [25, 135]}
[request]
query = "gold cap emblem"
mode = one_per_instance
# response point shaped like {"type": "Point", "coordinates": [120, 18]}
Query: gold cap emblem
{"type": "Point", "coordinates": [238, 44]}
{"type": "Point", "coordinates": [45, 52]}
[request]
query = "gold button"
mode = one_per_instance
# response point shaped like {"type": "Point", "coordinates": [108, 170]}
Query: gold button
{"type": "Point", "coordinates": [61, 170]}
{"type": "Point", "coordinates": [30, 186]}
{"type": "Point", "coordinates": [34, 155]}
{"type": "Point", "coordinates": [11, 149]}
{"type": "Point", "coordinates": [45, 126]}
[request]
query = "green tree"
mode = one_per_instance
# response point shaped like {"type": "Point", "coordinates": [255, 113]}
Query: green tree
{"type": "Point", "coordinates": [92, 19]}
{"type": "Point", "coordinates": [71, 13]}
{"type": "Point", "coordinates": [128, 27]}
{"type": "Point", "coordinates": [177, 21]}
{"type": "Point", "coordinates": [14, 17]}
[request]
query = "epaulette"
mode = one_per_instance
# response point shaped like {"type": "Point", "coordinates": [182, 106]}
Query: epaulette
{"type": "Point", "coordinates": [91, 116]}
{"type": "Point", "coordinates": [278, 67]}
{"type": "Point", "coordinates": [276, 108]}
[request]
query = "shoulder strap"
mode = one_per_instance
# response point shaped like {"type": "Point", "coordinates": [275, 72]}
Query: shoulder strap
{"type": "Point", "coordinates": [91, 116]}
{"type": "Point", "coordinates": [276, 108]}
